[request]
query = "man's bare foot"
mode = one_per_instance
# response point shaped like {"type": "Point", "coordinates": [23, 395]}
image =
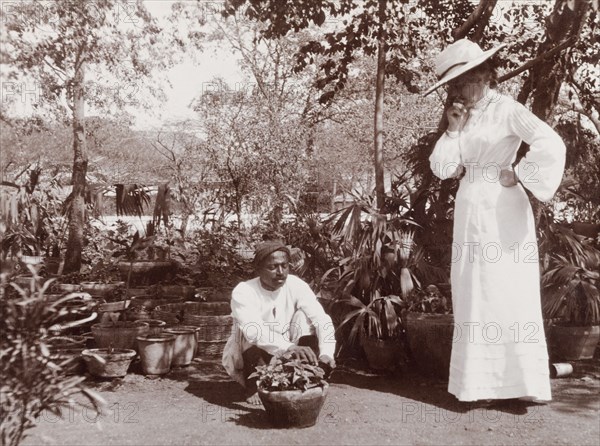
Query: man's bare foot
{"type": "Point", "coordinates": [254, 399]}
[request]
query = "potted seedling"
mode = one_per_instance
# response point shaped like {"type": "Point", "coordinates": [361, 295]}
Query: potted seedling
{"type": "Point", "coordinates": [292, 391]}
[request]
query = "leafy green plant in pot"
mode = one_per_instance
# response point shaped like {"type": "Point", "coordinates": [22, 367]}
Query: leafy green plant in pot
{"type": "Point", "coordinates": [292, 391]}
{"type": "Point", "coordinates": [570, 293]}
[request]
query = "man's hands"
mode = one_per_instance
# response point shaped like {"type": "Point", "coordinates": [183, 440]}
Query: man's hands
{"type": "Point", "coordinates": [327, 363]}
{"type": "Point", "coordinates": [303, 353]}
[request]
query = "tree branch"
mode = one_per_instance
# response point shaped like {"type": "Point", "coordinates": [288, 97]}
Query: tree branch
{"type": "Point", "coordinates": [538, 59]}
{"type": "Point", "coordinates": [484, 20]}
{"type": "Point", "coordinates": [480, 11]}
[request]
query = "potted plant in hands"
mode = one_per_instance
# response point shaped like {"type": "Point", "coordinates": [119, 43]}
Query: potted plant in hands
{"type": "Point", "coordinates": [292, 391]}
{"type": "Point", "coordinates": [570, 292]}
{"type": "Point", "coordinates": [429, 330]}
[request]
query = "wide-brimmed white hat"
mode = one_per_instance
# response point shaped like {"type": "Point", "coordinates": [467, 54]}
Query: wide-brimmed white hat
{"type": "Point", "coordinates": [458, 58]}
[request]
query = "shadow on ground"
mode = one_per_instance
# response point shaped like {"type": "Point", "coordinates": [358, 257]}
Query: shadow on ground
{"type": "Point", "coordinates": [208, 381]}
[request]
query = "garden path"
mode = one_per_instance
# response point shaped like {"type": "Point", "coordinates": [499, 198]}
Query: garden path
{"type": "Point", "coordinates": [200, 405]}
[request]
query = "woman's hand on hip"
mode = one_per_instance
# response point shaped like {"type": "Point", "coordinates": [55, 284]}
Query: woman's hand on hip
{"type": "Point", "coordinates": [508, 178]}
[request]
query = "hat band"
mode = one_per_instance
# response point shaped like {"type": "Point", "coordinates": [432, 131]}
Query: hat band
{"type": "Point", "coordinates": [452, 66]}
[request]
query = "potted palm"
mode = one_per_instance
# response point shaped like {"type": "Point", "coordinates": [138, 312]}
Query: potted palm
{"type": "Point", "coordinates": [371, 278]}
{"type": "Point", "coordinates": [378, 327]}
{"type": "Point", "coordinates": [570, 293]}
{"type": "Point", "coordinates": [292, 391]}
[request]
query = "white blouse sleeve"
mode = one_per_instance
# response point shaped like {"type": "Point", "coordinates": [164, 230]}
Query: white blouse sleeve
{"type": "Point", "coordinates": [541, 170]}
{"type": "Point", "coordinates": [445, 160]}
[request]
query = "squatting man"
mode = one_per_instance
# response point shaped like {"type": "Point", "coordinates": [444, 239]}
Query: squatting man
{"type": "Point", "coordinates": [275, 313]}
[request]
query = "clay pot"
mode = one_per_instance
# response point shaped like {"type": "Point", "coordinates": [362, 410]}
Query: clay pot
{"type": "Point", "coordinates": [108, 363]}
{"type": "Point", "coordinates": [97, 289]}
{"type": "Point", "coordinates": [573, 343]}
{"type": "Point", "coordinates": [156, 353]}
{"type": "Point", "coordinates": [119, 334]}
{"type": "Point", "coordinates": [146, 272]}
{"type": "Point", "coordinates": [294, 408]}
{"type": "Point", "coordinates": [67, 350]}
{"type": "Point", "coordinates": [137, 314]}
{"type": "Point", "coordinates": [382, 354]}
{"type": "Point", "coordinates": [69, 287]}
{"type": "Point", "coordinates": [156, 326]}
{"type": "Point", "coordinates": [429, 339]}
{"type": "Point", "coordinates": [179, 291]}
{"type": "Point", "coordinates": [185, 344]}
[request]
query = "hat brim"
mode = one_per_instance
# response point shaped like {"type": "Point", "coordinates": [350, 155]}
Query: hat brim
{"type": "Point", "coordinates": [454, 73]}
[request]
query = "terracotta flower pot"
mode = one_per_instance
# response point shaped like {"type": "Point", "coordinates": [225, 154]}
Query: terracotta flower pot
{"type": "Point", "coordinates": [69, 349]}
{"type": "Point", "coordinates": [69, 287]}
{"type": "Point", "coordinates": [185, 344]}
{"type": "Point", "coordinates": [107, 363]}
{"type": "Point", "coordinates": [294, 408]}
{"type": "Point", "coordinates": [156, 353]}
{"type": "Point", "coordinates": [146, 272]}
{"type": "Point", "coordinates": [156, 326]}
{"type": "Point", "coordinates": [429, 338]}
{"type": "Point", "coordinates": [573, 343]}
{"type": "Point", "coordinates": [119, 334]}
{"type": "Point", "coordinates": [97, 289]}
{"type": "Point", "coordinates": [52, 265]}
{"type": "Point", "coordinates": [382, 354]}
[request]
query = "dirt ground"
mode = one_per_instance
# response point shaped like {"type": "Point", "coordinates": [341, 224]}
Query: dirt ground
{"type": "Point", "coordinates": [200, 405]}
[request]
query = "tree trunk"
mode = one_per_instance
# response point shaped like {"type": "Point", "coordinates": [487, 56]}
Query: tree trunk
{"type": "Point", "coordinates": [80, 162]}
{"type": "Point", "coordinates": [545, 79]}
{"type": "Point", "coordinates": [333, 194]}
{"type": "Point", "coordinates": [378, 124]}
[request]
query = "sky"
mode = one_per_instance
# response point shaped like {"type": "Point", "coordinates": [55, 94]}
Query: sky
{"type": "Point", "coordinates": [190, 77]}
{"type": "Point", "coordinates": [187, 79]}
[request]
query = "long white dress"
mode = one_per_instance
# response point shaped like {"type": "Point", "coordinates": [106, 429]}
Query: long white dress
{"type": "Point", "coordinates": [499, 349]}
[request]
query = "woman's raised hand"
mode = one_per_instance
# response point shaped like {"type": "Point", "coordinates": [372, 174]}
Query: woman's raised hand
{"type": "Point", "coordinates": [457, 116]}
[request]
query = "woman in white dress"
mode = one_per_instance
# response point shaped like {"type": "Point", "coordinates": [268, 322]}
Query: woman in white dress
{"type": "Point", "coordinates": [499, 348]}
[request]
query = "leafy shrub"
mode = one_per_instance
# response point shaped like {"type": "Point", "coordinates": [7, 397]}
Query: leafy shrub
{"type": "Point", "coordinates": [32, 381]}
{"type": "Point", "coordinates": [219, 262]}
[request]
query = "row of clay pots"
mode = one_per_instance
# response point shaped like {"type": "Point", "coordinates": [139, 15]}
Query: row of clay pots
{"type": "Point", "coordinates": [159, 348]}
{"type": "Point", "coordinates": [175, 347]}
